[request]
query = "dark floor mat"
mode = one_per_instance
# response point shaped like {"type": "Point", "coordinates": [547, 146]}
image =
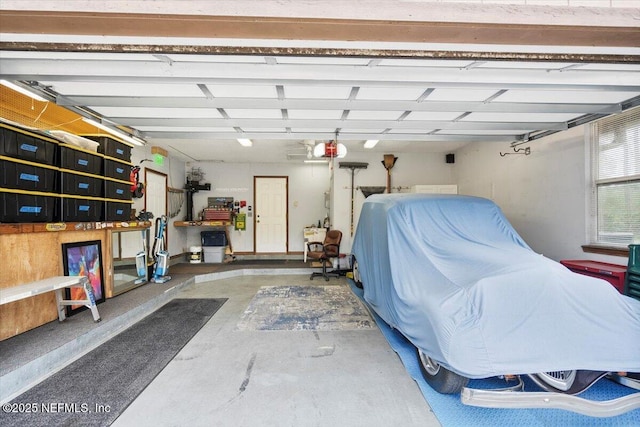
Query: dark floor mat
{"type": "Point", "coordinates": [95, 389]}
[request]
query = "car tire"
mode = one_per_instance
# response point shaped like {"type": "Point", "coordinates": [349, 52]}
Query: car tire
{"type": "Point", "coordinates": [356, 272]}
{"type": "Point", "coordinates": [438, 377]}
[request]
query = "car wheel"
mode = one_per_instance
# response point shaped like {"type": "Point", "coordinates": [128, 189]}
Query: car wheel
{"type": "Point", "coordinates": [438, 377]}
{"type": "Point", "coordinates": [567, 382]}
{"type": "Point", "coordinates": [356, 272]}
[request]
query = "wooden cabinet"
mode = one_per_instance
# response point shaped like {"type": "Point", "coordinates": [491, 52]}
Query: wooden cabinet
{"type": "Point", "coordinates": [33, 251]}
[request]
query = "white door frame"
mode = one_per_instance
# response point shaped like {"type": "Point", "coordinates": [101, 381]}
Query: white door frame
{"type": "Point", "coordinates": [153, 202]}
{"type": "Point", "coordinates": [256, 210]}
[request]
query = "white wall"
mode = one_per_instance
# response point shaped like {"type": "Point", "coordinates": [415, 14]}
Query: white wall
{"type": "Point", "coordinates": [410, 169]}
{"type": "Point", "coordinates": [175, 171]}
{"type": "Point", "coordinates": [307, 185]}
{"type": "Point", "coordinates": [544, 195]}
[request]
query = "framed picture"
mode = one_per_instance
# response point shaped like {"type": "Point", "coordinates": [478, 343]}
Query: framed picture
{"type": "Point", "coordinates": [83, 259]}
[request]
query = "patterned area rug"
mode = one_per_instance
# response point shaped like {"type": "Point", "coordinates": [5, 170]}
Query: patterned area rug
{"type": "Point", "coordinates": [300, 308]}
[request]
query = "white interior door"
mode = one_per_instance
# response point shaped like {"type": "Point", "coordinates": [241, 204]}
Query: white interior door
{"type": "Point", "coordinates": [155, 199]}
{"type": "Point", "coordinates": [270, 214]}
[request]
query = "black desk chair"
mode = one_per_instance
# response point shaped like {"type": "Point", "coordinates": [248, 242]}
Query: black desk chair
{"type": "Point", "coordinates": [323, 251]}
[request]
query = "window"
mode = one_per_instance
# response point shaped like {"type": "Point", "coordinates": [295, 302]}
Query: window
{"type": "Point", "coordinates": [616, 179]}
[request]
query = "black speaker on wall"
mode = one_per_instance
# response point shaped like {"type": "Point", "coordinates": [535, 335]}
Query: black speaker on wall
{"type": "Point", "coordinates": [450, 158]}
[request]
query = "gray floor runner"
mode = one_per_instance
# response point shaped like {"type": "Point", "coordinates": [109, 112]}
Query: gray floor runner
{"type": "Point", "coordinates": [95, 389]}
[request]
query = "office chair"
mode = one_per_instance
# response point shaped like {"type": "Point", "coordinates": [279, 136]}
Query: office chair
{"type": "Point", "coordinates": [323, 251]}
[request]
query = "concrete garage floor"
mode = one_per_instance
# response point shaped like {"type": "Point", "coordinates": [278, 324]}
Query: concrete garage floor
{"type": "Point", "coordinates": [230, 377]}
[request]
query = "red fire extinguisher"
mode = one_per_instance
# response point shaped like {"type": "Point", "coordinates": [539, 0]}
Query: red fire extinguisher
{"type": "Point", "coordinates": [137, 187]}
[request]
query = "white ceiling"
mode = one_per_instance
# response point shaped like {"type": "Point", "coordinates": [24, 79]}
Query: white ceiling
{"type": "Point", "coordinates": [197, 105]}
{"type": "Point", "coordinates": [420, 88]}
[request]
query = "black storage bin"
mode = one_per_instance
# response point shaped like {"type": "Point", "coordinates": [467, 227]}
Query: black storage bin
{"type": "Point", "coordinates": [24, 206]}
{"type": "Point", "coordinates": [81, 210]}
{"type": "Point", "coordinates": [117, 211]}
{"type": "Point", "coordinates": [111, 147]}
{"type": "Point", "coordinates": [23, 175]}
{"type": "Point", "coordinates": [82, 185]}
{"type": "Point", "coordinates": [21, 144]}
{"type": "Point", "coordinates": [76, 159]}
{"type": "Point", "coordinates": [117, 189]}
{"type": "Point", "coordinates": [117, 170]}
{"type": "Point", "coordinates": [213, 238]}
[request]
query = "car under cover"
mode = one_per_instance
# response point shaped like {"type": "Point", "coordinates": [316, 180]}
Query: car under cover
{"type": "Point", "coordinates": [453, 276]}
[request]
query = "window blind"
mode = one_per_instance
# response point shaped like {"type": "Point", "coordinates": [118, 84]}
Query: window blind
{"type": "Point", "coordinates": [616, 178]}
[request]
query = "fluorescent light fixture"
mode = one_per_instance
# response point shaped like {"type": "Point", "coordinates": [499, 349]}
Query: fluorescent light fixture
{"type": "Point", "coordinates": [115, 132]}
{"type": "Point", "coordinates": [22, 90]}
{"type": "Point", "coordinates": [316, 161]}
{"type": "Point", "coordinates": [245, 142]}
{"type": "Point", "coordinates": [370, 143]}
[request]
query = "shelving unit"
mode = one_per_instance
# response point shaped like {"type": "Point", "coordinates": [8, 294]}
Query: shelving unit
{"type": "Point", "coordinates": [221, 225]}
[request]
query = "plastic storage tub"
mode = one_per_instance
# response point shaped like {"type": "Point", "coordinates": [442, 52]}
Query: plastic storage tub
{"type": "Point", "coordinates": [117, 189]}
{"type": "Point", "coordinates": [117, 211]}
{"type": "Point", "coordinates": [82, 184]}
{"type": "Point", "coordinates": [25, 175]}
{"type": "Point", "coordinates": [213, 238]}
{"type": "Point", "coordinates": [27, 206]}
{"type": "Point", "coordinates": [21, 144]}
{"type": "Point", "coordinates": [78, 160]}
{"type": "Point", "coordinates": [117, 170]}
{"type": "Point", "coordinates": [213, 254]}
{"type": "Point", "coordinates": [111, 147]}
{"type": "Point", "coordinates": [81, 210]}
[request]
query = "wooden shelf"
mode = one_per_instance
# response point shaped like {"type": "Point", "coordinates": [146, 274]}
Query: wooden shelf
{"type": "Point", "coordinates": [39, 227]}
{"type": "Point", "coordinates": [202, 223]}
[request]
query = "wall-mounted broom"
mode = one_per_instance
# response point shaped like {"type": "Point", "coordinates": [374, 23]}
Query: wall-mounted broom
{"type": "Point", "coordinates": [353, 166]}
{"type": "Point", "coordinates": [388, 163]}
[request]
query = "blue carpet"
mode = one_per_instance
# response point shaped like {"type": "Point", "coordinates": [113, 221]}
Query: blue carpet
{"type": "Point", "coordinates": [451, 412]}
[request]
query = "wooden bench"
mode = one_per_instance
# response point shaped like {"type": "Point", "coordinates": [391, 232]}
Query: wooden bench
{"type": "Point", "coordinates": [57, 284]}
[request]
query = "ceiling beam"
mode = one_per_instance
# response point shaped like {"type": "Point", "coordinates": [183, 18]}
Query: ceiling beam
{"type": "Point", "coordinates": [307, 74]}
{"type": "Point", "coordinates": [331, 104]}
{"type": "Point", "coordinates": [292, 136]}
{"type": "Point", "coordinates": [343, 124]}
{"type": "Point", "coordinates": [308, 28]}
{"type": "Point", "coordinates": [37, 43]}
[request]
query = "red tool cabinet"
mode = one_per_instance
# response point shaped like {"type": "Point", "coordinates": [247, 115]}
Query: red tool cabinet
{"type": "Point", "coordinates": [612, 273]}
